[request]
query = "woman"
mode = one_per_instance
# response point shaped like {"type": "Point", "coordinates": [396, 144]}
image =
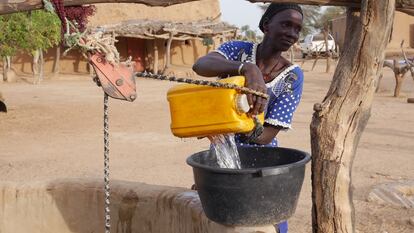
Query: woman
{"type": "Point", "coordinates": [265, 70]}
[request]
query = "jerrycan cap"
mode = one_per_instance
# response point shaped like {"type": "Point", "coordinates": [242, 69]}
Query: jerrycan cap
{"type": "Point", "coordinates": [242, 105]}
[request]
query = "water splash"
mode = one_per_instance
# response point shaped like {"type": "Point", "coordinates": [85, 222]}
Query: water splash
{"type": "Point", "coordinates": [224, 148]}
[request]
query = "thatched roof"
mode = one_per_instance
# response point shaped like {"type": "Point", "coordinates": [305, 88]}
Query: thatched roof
{"type": "Point", "coordinates": [152, 29]}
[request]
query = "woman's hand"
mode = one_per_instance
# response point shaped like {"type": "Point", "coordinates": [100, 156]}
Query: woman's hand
{"type": "Point", "coordinates": [254, 80]}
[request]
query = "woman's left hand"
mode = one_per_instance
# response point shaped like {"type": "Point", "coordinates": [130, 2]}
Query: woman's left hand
{"type": "Point", "coordinates": [254, 81]}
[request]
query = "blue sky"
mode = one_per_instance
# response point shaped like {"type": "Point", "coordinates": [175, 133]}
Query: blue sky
{"type": "Point", "coordinates": [240, 13]}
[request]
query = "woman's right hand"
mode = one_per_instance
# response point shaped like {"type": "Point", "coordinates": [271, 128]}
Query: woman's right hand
{"type": "Point", "coordinates": [255, 81]}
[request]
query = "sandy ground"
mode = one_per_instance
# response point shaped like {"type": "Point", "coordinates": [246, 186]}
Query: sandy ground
{"type": "Point", "coordinates": [54, 130]}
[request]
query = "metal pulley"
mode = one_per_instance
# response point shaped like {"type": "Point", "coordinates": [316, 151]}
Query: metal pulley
{"type": "Point", "coordinates": [117, 81]}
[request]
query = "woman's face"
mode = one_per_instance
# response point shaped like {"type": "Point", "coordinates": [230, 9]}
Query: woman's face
{"type": "Point", "coordinates": [283, 29]}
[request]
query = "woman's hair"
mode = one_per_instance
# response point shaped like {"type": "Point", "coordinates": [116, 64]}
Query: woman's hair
{"type": "Point", "coordinates": [275, 8]}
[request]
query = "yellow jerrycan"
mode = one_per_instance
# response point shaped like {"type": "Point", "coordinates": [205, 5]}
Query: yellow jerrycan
{"type": "Point", "coordinates": [198, 111]}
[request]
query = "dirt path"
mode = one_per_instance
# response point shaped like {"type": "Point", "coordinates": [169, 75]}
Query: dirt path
{"type": "Point", "coordinates": [54, 130]}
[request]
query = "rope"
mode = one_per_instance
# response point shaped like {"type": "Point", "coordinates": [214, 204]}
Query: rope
{"type": "Point", "coordinates": [85, 42]}
{"type": "Point", "coordinates": [106, 166]}
{"type": "Point", "coordinates": [203, 83]}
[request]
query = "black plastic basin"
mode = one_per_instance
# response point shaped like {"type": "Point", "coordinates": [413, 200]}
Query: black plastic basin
{"type": "Point", "coordinates": [264, 191]}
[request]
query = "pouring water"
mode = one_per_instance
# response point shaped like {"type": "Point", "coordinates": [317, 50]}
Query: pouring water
{"type": "Point", "coordinates": [223, 146]}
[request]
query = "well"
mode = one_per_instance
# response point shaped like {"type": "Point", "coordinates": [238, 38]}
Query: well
{"type": "Point", "coordinates": [76, 205]}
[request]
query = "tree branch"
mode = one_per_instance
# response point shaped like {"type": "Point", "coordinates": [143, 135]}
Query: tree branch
{"type": "Point", "coordinates": [11, 6]}
{"type": "Point", "coordinates": [406, 6]}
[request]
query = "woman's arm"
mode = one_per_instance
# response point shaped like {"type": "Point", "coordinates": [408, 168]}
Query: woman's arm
{"type": "Point", "coordinates": [215, 64]}
{"type": "Point", "coordinates": [269, 133]}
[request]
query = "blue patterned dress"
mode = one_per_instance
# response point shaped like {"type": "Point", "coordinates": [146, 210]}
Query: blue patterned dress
{"type": "Point", "coordinates": [285, 90]}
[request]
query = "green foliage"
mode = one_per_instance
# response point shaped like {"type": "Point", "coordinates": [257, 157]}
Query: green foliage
{"type": "Point", "coordinates": [14, 33]}
{"type": "Point", "coordinates": [28, 32]}
{"type": "Point", "coordinates": [45, 30]}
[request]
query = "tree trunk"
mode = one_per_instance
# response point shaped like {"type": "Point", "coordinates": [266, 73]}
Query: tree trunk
{"type": "Point", "coordinates": [8, 59]}
{"type": "Point", "coordinates": [340, 119]}
{"type": "Point", "coordinates": [35, 66]}
{"type": "Point", "coordinates": [56, 64]}
{"type": "Point", "coordinates": [41, 65]}
{"type": "Point", "coordinates": [5, 69]}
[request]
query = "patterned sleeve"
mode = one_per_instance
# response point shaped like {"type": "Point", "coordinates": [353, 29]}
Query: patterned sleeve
{"type": "Point", "coordinates": [280, 111]}
{"type": "Point", "coordinates": [232, 50]}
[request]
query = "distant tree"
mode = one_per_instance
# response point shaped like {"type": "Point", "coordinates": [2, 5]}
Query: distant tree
{"type": "Point", "coordinates": [249, 34]}
{"type": "Point", "coordinates": [326, 15]}
{"type": "Point", "coordinates": [311, 15]}
{"type": "Point", "coordinates": [31, 32]}
{"type": "Point", "coordinates": [45, 31]}
{"type": "Point", "coordinates": [14, 30]}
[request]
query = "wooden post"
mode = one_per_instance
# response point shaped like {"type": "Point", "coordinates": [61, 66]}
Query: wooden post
{"type": "Point", "coordinates": [340, 119]}
{"type": "Point", "coordinates": [168, 53]}
{"type": "Point", "coordinates": [155, 70]}
{"type": "Point", "coordinates": [314, 62]}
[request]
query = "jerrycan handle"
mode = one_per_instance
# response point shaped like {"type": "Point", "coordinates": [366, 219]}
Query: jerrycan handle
{"type": "Point", "coordinates": [242, 105]}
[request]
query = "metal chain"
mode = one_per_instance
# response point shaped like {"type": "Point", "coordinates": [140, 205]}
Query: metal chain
{"type": "Point", "coordinates": [106, 166]}
{"type": "Point", "coordinates": [203, 83]}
